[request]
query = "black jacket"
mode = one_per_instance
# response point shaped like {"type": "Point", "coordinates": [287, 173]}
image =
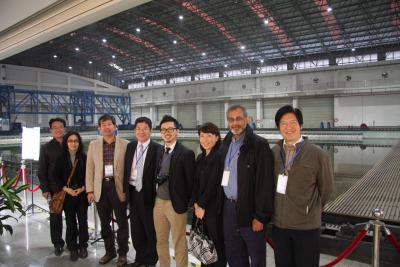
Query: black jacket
{"type": "Point", "coordinates": [63, 168]}
{"type": "Point", "coordinates": [181, 177]}
{"type": "Point", "coordinates": [255, 178]}
{"type": "Point", "coordinates": [207, 180]}
{"type": "Point", "coordinates": [49, 153]}
{"type": "Point", "coordinates": [153, 155]}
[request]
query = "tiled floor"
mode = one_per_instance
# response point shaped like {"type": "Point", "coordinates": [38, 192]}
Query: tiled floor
{"type": "Point", "coordinates": [30, 246]}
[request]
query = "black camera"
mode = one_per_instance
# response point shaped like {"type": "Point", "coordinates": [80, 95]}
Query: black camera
{"type": "Point", "coordinates": [161, 179]}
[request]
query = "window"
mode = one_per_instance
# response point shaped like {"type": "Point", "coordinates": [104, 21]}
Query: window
{"type": "Point", "coordinates": [311, 64]}
{"type": "Point", "coordinates": [206, 76]}
{"type": "Point", "coordinates": [181, 79]}
{"type": "Point", "coordinates": [157, 82]}
{"type": "Point", "coordinates": [232, 73]}
{"type": "Point", "coordinates": [136, 85]}
{"type": "Point", "coordinates": [357, 59]}
{"type": "Point", "coordinates": [393, 55]}
{"type": "Point", "coordinates": [272, 68]}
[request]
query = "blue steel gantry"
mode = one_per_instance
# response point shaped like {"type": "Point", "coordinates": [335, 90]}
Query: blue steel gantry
{"type": "Point", "coordinates": [83, 105]}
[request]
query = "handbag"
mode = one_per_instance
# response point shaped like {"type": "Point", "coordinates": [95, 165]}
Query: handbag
{"type": "Point", "coordinates": [57, 200]}
{"type": "Point", "coordinates": [200, 245]}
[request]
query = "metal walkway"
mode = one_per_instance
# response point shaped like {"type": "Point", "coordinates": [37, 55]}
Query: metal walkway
{"type": "Point", "coordinates": [378, 188]}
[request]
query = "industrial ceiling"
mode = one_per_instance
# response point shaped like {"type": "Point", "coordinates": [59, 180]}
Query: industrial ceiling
{"type": "Point", "coordinates": [167, 38]}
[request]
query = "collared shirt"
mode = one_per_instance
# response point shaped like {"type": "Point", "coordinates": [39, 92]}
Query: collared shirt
{"type": "Point", "coordinates": [290, 151]}
{"type": "Point", "coordinates": [171, 147]}
{"type": "Point", "coordinates": [136, 157]}
{"type": "Point", "coordinates": [231, 165]}
{"type": "Point", "coordinates": [108, 154]}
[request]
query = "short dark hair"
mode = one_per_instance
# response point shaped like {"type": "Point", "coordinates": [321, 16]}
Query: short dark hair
{"type": "Point", "coordinates": [143, 119]}
{"type": "Point", "coordinates": [288, 109]}
{"type": "Point", "coordinates": [235, 107]}
{"type": "Point", "coordinates": [57, 119]}
{"type": "Point", "coordinates": [65, 141]}
{"type": "Point", "coordinates": [106, 117]}
{"type": "Point", "coordinates": [211, 128]}
{"type": "Point", "coordinates": [169, 118]}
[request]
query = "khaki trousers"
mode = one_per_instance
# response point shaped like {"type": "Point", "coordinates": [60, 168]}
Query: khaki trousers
{"type": "Point", "coordinates": [166, 220]}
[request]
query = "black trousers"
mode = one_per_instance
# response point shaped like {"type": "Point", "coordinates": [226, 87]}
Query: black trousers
{"type": "Point", "coordinates": [296, 248]}
{"type": "Point", "coordinates": [76, 214]}
{"type": "Point", "coordinates": [143, 233]}
{"type": "Point", "coordinates": [109, 203]}
{"type": "Point", "coordinates": [56, 229]}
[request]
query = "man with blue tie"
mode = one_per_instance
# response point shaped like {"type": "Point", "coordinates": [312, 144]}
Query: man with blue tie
{"type": "Point", "coordinates": [141, 158]}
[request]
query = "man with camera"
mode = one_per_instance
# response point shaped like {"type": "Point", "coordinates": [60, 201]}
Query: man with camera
{"type": "Point", "coordinates": [141, 158]}
{"type": "Point", "coordinates": [173, 191]}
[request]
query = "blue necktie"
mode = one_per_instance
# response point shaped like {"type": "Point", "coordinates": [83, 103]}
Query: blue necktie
{"type": "Point", "coordinates": [139, 168]}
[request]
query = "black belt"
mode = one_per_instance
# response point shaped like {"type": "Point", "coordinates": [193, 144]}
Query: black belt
{"type": "Point", "coordinates": [108, 179]}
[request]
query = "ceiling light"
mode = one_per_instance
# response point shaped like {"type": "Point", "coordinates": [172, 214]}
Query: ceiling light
{"type": "Point", "coordinates": [137, 29]}
{"type": "Point", "coordinates": [262, 61]}
{"type": "Point", "coordinates": [98, 74]}
{"type": "Point", "coordinates": [171, 59]}
{"type": "Point", "coordinates": [104, 40]}
{"type": "Point", "coordinates": [77, 49]}
{"type": "Point", "coordinates": [329, 9]}
{"type": "Point", "coordinates": [242, 47]}
{"type": "Point", "coordinates": [175, 41]}
{"type": "Point", "coordinates": [353, 49]}
{"type": "Point", "coordinates": [113, 56]}
{"type": "Point", "coordinates": [143, 78]}
{"type": "Point", "coordinates": [55, 56]}
{"type": "Point", "coordinates": [122, 81]}
{"type": "Point", "coordinates": [115, 66]}
{"type": "Point", "coordinates": [70, 68]}
{"type": "Point", "coordinates": [180, 17]}
{"type": "Point", "coordinates": [226, 65]}
{"type": "Point", "coordinates": [203, 54]}
{"type": "Point", "coordinates": [265, 21]}
{"type": "Point", "coordinates": [90, 62]}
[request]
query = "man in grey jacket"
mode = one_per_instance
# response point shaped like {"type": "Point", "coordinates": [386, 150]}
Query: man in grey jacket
{"type": "Point", "coordinates": [304, 183]}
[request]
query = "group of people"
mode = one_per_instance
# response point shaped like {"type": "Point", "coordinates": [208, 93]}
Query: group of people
{"type": "Point", "coordinates": [236, 186]}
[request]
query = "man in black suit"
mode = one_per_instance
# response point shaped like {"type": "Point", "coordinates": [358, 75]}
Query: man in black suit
{"type": "Point", "coordinates": [141, 160]}
{"type": "Point", "coordinates": [174, 189]}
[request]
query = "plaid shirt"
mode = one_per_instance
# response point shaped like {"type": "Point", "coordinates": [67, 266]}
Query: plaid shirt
{"type": "Point", "coordinates": [108, 153]}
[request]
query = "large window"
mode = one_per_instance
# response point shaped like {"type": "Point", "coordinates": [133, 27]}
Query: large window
{"type": "Point", "coordinates": [136, 85]}
{"type": "Point", "coordinates": [157, 82]}
{"type": "Point", "coordinates": [233, 73]}
{"type": "Point", "coordinates": [311, 64]}
{"type": "Point", "coordinates": [356, 59]}
{"type": "Point", "coordinates": [272, 68]}
{"type": "Point", "coordinates": [393, 55]}
{"type": "Point", "coordinates": [206, 76]}
{"type": "Point", "coordinates": [181, 79]}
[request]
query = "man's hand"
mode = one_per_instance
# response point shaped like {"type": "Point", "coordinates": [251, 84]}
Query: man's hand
{"type": "Point", "coordinates": [46, 195]}
{"type": "Point", "coordinates": [257, 226]}
{"type": "Point", "coordinates": [90, 197]}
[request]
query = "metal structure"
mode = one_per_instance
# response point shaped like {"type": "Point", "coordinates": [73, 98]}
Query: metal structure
{"type": "Point", "coordinates": [82, 105]}
{"type": "Point", "coordinates": [174, 38]}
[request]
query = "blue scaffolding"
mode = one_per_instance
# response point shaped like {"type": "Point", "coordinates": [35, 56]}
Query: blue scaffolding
{"type": "Point", "coordinates": [83, 105]}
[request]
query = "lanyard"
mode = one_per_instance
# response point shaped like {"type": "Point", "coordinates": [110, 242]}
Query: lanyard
{"type": "Point", "coordinates": [232, 155]}
{"type": "Point", "coordinates": [141, 155]}
{"type": "Point", "coordinates": [290, 162]}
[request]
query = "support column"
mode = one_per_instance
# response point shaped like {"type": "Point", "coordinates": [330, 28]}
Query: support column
{"type": "Point", "coordinates": [199, 114]}
{"type": "Point", "coordinates": [226, 106]}
{"type": "Point", "coordinates": [174, 111]}
{"type": "Point", "coordinates": [152, 116]}
{"type": "Point", "coordinates": [70, 120]}
{"type": "Point", "coordinates": [295, 102]}
{"type": "Point", "coordinates": [259, 110]}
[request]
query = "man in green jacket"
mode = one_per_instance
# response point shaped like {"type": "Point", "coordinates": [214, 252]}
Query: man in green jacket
{"type": "Point", "coordinates": [304, 183]}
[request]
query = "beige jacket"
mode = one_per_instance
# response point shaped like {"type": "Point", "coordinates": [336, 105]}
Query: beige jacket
{"type": "Point", "coordinates": [94, 167]}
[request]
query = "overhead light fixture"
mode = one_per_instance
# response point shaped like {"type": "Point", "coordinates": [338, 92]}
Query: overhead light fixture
{"type": "Point", "coordinates": [171, 60]}
{"type": "Point", "coordinates": [122, 81]}
{"type": "Point", "coordinates": [203, 54]}
{"type": "Point", "coordinates": [144, 78]}
{"type": "Point", "coordinates": [69, 67]}
{"type": "Point", "coordinates": [98, 74]}
{"type": "Point", "coordinates": [243, 47]}
{"type": "Point", "coordinates": [137, 29]}
{"type": "Point", "coordinates": [76, 49]}
{"type": "Point", "coordinates": [90, 62]}
{"type": "Point", "coordinates": [115, 66]}
{"type": "Point", "coordinates": [104, 40]}
{"type": "Point", "coordinates": [55, 56]}
{"type": "Point", "coordinates": [353, 49]}
{"type": "Point", "coordinates": [329, 9]}
{"type": "Point", "coordinates": [175, 41]}
{"type": "Point", "coordinates": [113, 56]}
{"type": "Point", "coordinates": [180, 17]}
{"type": "Point", "coordinates": [261, 61]}
{"type": "Point", "coordinates": [226, 65]}
{"type": "Point", "coordinates": [265, 21]}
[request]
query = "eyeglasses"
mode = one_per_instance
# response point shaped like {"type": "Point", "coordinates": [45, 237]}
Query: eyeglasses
{"type": "Point", "coordinates": [57, 128]}
{"type": "Point", "coordinates": [73, 141]}
{"type": "Point", "coordinates": [169, 130]}
{"type": "Point", "coordinates": [238, 119]}
{"type": "Point", "coordinates": [288, 123]}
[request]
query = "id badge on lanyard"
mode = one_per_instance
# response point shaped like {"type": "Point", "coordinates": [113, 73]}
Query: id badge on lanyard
{"type": "Point", "coordinates": [282, 183]}
{"type": "Point", "coordinates": [225, 178]}
{"type": "Point", "coordinates": [108, 170]}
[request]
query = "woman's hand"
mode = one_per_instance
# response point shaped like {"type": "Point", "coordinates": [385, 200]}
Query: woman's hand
{"type": "Point", "coordinates": [78, 191]}
{"type": "Point", "coordinates": [70, 191]}
{"type": "Point", "coordinates": [199, 211]}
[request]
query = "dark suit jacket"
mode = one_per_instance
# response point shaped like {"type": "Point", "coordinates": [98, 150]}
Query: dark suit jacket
{"type": "Point", "coordinates": [181, 177]}
{"type": "Point", "coordinates": [153, 155]}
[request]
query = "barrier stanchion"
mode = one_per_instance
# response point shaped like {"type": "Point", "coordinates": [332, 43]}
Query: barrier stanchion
{"type": "Point", "coordinates": [32, 190]}
{"type": "Point", "coordinates": [377, 224]}
{"type": "Point", "coordinates": [392, 239]}
{"type": "Point", "coordinates": [1, 171]}
{"type": "Point", "coordinates": [22, 172]}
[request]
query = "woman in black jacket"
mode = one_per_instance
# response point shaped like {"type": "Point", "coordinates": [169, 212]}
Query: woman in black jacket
{"type": "Point", "coordinates": [207, 179]}
{"type": "Point", "coordinates": [75, 203]}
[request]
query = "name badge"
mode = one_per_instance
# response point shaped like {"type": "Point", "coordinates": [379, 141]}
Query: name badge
{"type": "Point", "coordinates": [109, 170]}
{"type": "Point", "coordinates": [225, 178]}
{"type": "Point", "coordinates": [282, 183]}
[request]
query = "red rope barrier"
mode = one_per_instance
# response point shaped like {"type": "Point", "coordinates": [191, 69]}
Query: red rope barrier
{"type": "Point", "coordinates": [349, 249]}
{"type": "Point", "coordinates": [19, 177]}
{"type": "Point", "coordinates": [3, 172]}
{"type": "Point", "coordinates": [394, 241]}
{"type": "Point", "coordinates": [32, 190]}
